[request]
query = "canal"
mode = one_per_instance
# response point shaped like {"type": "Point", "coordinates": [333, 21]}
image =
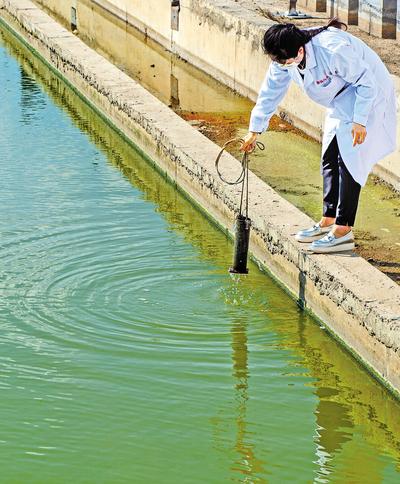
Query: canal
{"type": "Point", "coordinates": [128, 354]}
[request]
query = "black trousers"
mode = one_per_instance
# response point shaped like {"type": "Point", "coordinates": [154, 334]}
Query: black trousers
{"type": "Point", "coordinates": [341, 191]}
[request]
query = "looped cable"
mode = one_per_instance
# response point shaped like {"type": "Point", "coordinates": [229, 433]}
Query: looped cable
{"type": "Point", "coordinates": [244, 161]}
{"type": "Point", "coordinates": [244, 175]}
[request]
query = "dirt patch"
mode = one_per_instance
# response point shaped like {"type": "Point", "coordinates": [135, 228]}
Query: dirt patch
{"type": "Point", "coordinates": [216, 126]}
{"type": "Point", "coordinates": [383, 258]}
{"type": "Point", "coordinates": [222, 127]}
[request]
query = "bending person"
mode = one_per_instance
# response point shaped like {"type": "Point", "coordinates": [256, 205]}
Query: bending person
{"type": "Point", "coordinates": [340, 72]}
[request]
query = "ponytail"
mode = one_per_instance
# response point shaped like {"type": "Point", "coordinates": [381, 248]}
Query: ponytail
{"type": "Point", "coordinates": [333, 22]}
{"type": "Point", "coordinates": [283, 40]}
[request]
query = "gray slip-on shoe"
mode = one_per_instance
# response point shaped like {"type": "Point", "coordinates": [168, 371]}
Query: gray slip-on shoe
{"type": "Point", "coordinates": [330, 243]}
{"type": "Point", "coordinates": [313, 233]}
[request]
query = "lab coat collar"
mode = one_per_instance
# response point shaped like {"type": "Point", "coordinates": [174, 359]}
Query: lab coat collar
{"type": "Point", "coordinates": [310, 56]}
{"type": "Point", "coordinates": [310, 63]}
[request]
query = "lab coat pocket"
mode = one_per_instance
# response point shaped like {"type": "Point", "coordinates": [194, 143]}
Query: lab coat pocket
{"type": "Point", "coordinates": [343, 104]}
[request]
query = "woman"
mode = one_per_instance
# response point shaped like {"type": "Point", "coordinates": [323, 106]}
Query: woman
{"type": "Point", "coordinates": [342, 73]}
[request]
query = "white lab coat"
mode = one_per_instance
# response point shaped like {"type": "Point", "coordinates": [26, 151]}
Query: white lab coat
{"type": "Point", "coordinates": [336, 59]}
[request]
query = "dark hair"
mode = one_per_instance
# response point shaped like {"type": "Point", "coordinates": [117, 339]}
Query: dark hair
{"type": "Point", "coordinates": [283, 40]}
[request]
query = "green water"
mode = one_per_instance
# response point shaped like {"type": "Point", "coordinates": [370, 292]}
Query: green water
{"type": "Point", "coordinates": [127, 353]}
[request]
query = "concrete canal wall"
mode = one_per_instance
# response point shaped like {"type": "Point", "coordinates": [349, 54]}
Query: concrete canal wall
{"type": "Point", "coordinates": [346, 10]}
{"type": "Point", "coordinates": [224, 40]}
{"type": "Point", "coordinates": [359, 304]}
{"type": "Point", "coordinates": [378, 17]}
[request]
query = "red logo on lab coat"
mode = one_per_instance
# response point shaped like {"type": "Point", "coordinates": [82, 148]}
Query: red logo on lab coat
{"type": "Point", "coordinates": [325, 81]}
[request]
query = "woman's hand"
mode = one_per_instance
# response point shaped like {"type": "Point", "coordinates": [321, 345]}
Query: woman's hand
{"type": "Point", "coordinates": [359, 133]}
{"type": "Point", "coordinates": [249, 142]}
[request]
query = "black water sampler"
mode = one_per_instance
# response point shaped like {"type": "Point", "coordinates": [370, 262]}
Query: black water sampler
{"type": "Point", "coordinates": [241, 248]}
{"type": "Point", "coordinates": [242, 222]}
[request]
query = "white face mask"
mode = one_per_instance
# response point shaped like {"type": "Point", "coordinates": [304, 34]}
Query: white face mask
{"type": "Point", "coordinates": [294, 64]}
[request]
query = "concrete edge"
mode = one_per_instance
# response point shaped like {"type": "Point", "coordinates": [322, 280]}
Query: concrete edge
{"type": "Point", "coordinates": [357, 302]}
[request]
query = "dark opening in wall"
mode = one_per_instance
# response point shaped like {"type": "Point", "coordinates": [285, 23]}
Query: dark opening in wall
{"type": "Point", "coordinates": [74, 22]}
{"type": "Point", "coordinates": [175, 9]}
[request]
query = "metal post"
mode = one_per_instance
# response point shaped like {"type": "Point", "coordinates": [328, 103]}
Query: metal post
{"type": "Point", "coordinates": [292, 7]}
{"type": "Point", "coordinates": [354, 6]}
{"type": "Point", "coordinates": [389, 19]}
{"type": "Point", "coordinates": [292, 13]}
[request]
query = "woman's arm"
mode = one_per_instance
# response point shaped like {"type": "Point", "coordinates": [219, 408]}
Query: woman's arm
{"type": "Point", "coordinates": [273, 89]}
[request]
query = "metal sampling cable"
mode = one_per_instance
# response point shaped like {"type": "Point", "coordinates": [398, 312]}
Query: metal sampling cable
{"type": "Point", "coordinates": [243, 222]}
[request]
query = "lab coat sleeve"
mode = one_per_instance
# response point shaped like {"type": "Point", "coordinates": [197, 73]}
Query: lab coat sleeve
{"type": "Point", "coordinates": [273, 89]}
{"type": "Point", "coordinates": [346, 63]}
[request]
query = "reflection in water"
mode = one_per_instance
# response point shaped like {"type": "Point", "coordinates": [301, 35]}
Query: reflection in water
{"type": "Point", "coordinates": [349, 406]}
{"type": "Point", "coordinates": [174, 101]}
{"type": "Point", "coordinates": [247, 463]}
{"type": "Point", "coordinates": [332, 419]}
{"type": "Point", "coordinates": [332, 416]}
{"type": "Point", "coordinates": [32, 99]}
{"type": "Point", "coordinates": [357, 423]}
